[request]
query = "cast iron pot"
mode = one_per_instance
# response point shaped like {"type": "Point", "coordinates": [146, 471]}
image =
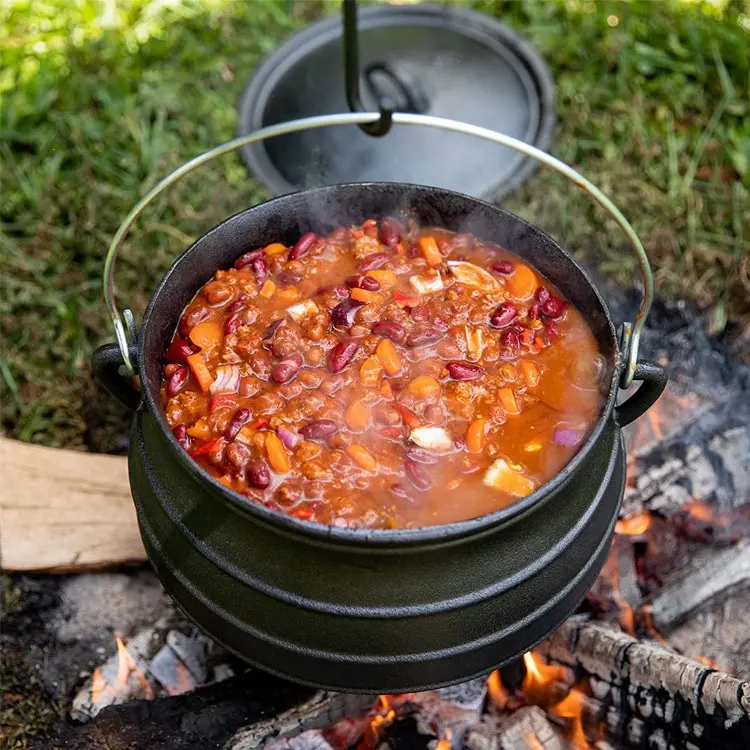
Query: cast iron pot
{"type": "Point", "coordinates": [371, 610]}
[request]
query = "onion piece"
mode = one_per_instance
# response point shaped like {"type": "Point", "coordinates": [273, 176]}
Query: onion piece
{"type": "Point", "coordinates": [502, 476]}
{"type": "Point", "coordinates": [435, 439]}
{"type": "Point", "coordinates": [474, 276]}
{"type": "Point", "coordinates": [302, 309]}
{"type": "Point", "coordinates": [227, 380]}
{"type": "Point", "coordinates": [427, 283]}
{"type": "Point", "coordinates": [567, 436]}
{"type": "Point", "coordinates": [289, 438]}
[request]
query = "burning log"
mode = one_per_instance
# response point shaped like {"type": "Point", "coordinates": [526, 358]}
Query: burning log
{"type": "Point", "coordinates": [526, 729]}
{"type": "Point", "coordinates": [644, 693]}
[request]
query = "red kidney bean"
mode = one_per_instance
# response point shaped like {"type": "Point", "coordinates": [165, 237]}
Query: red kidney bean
{"type": "Point", "coordinates": [237, 305]}
{"type": "Point", "coordinates": [421, 456]}
{"type": "Point", "coordinates": [463, 370]}
{"type": "Point", "coordinates": [169, 370]}
{"type": "Point", "coordinates": [363, 282]}
{"type": "Point", "coordinates": [542, 294]}
{"type": "Point", "coordinates": [342, 354]}
{"type": "Point", "coordinates": [287, 277]}
{"type": "Point", "coordinates": [177, 380]}
{"type": "Point", "coordinates": [320, 429]}
{"type": "Point", "coordinates": [535, 311]}
{"type": "Point", "coordinates": [420, 313]}
{"type": "Point", "coordinates": [343, 314]}
{"type": "Point", "coordinates": [179, 350]}
{"type": "Point", "coordinates": [510, 339]}
{"type": "Point", "coordinates": [259, 267]}
{"type": "Point", "coordinates": [195, 316]}
{"type": "Point", "coordinates": [258, 474]}
{"type": "Point", "coordinates": [503, 266]}
{"type": "Point", "coordinates": [504, 315]}
{"type": "Point", "coordinates": [418, 476]}
{"type": "Point", "coordinates": [286, 369]}
{"type": "Point", "coordinates": [390, 329]}
{"type": "Point", "coordinates": [390, 232]}
{"type": "Point", "coordinates": [303, 246]}
{"type": "Point", "coordinates": [248, 258]}
{"type": "Point", "coordinates": [237, 422]}
{"type": "Point", "coordinates": [440, 324]}
{"type": "Point", "coordinates": [232, 323]}
{"type": "Point", "coordinates": [424, 335]}
{"type": "Point", "coordinates": [553, 307]}
{"type": "Point", "coordinates": [371, 262]}
{"type": "Point", "coordinates": [553, 329]}
{"type": "Point", "coordinates": [399, 491]}
{"type": "Point", "coordinates": [180, 433]}
{"type": "Point", "coordinates": [237, 455]}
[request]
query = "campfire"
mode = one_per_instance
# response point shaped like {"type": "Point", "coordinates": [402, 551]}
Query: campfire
{"type": "Point", "coordinates": [655, 656]}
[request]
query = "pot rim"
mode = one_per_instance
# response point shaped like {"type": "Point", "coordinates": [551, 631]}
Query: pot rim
{"type": "Point", "coordinates": [387, 538]}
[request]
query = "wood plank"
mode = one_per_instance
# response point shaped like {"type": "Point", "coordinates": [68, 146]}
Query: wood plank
{"type": "Point", "coordinates": [62, 510]}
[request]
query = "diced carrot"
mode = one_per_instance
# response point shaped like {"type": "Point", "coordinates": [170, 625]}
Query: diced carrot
{"type": "Point", "coordinates": [386, 391]}
{"type": "Point", "coordinates": [411, 420]}
{"type": "Point", "coordinates": [539, 343]}
{"type": "Point", "coordinates": [527, 337]}
{"type": "Point", "coordinates": [509, 372]}
{"type": "Point", "coordinates": [388, 356]}
{"type": "Point", "coordinates": [362, 457]}
{"type": "Point", "coordinates": [292, 294]}
{"type": "Point", "coordinates": [357, 416]}
{"type": "Point", "coordinates": [275, 248]}
{"type": "Point", "coordinates": [424, 386]}
{"type": "Point", "coordinates": [200, 370]}
{"type": "Point", "coordinates": [383, 277]}
{"type": "Point", "coordinates": [523, 282]}
{"type": "Point", "coordinates": [207, 335]}
{"type": "Point", "coordinates": [430, 251]}
{"type": "Point", "coordinates": [267, 289]}
{"type": "Point", "coordinates": [475, 435]}
{"type": "Point", "coordinates": [259, 423]}
{"type": "Point", "coordinates": [406, 299]}
{"type": "Point", "coordinates": [508, 400]}
{"type": "Point", "coordinates": [530, 373]}
{"type": "Point", "coordinates": [227, 481]}
{"type": "Point", "coordinates": [277, 455]}
{"type": "Point", "coordinates": [200, 430]}
{"type": "Point", "coordinates": [370, 372]}
{"type": "Point", "coordinates": [362, 295]}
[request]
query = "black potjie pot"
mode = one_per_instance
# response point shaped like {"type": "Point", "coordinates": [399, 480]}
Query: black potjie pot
{"type": "Point", "coordinates": [383, 611]}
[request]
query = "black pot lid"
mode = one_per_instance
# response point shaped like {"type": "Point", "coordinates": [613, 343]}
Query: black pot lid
{"type": "Point", "coordinates": [442, 61]}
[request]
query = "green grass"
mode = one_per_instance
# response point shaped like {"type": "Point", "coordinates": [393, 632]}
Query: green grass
{"type": "Point", "coordinates": [101, 99]}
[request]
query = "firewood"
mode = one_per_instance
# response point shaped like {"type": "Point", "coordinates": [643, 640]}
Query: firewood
{"type": "Point", "coordinates": [63, 511]}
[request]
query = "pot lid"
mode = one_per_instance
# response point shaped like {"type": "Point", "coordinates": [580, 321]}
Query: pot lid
{"type": "Point", "coordinates": [442, 61]}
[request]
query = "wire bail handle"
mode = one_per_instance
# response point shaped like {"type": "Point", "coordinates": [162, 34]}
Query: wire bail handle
{"type": "Point", "coordinates": [631, 332]}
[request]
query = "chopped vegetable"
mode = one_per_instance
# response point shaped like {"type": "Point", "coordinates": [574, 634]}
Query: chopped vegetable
{"type": "Point", "coordinates": [508, 400]}
{"type": "Point", "coordinates": [424, 386]}
{"type": "Point", "coordinates": [207, 335]}
{"type": "Point", "coordinates": [290, 294]}
{"type": "Point", "coordinates": [530, 373]}
{"type": "Point", "coordinates": [302, 309]}
{"type": "Point", "coordinates": [362, 295]}
{"type": "Point", "coordinates": [385, 390]}
{"type": "Point", "coordinates": [430, 251]}
{"type": "Point", "coordinates": [474, 342]}
{"type": "Point", "coordinates": [227, 379]}
{"type": "Point", "coordinates": [435, 439]}
{"type": "Point", "coordinates": [200, 430]}
{"type": "Point", "coordinates": [388, 356]}
{"type": "Point", "coordinates": [200, 371]}
{"type": "Point", "coordinates": [523, 282]}
{"type": "Point", "coordinates": [404, 299]}
{"type": "Point", "coordinates": [475, 435]}
{"type": "Point", "coordinates": [427, 283]}
{"type": "Point", "coordinates": [410, 419]}
{"type": "Point", "coordinates": [383, 277]}
{"type": "Point", "coordinates": [474, 276]}
{"type": "Point", "coordinates": [362, 457]}
{"type": "Point", "coordinates": [267, 289]}
{"type": "Point", "coordinates": [277, 455]}
{"type": "Point", "coordinates": [275, 248]}
{"type": "Point", "coordinates": [501, 476]}
{"type": "Point", "coordinates": [357, 416]}
{"type": "Point", "coordinates": [370, 372]}
{"type": "Point", "coordinates": [288, 438]}
{"type": "Point", "coordinates": [208, 447]}
{"type": "Point", "coordinates": [567, 436]}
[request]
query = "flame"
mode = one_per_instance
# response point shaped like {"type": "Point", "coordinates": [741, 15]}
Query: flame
{"type": "Point", "coordinates": [541, 679]}
{"type": "Point", "coordinates": [384, 715]}
{"type": "Point", "coordinates": [498, 694]}
{"type": "Point", "coordinates": [655, 421]}
{"type": "Point", "coordinates": [445, 742]}
{"type": "Point", "coordinates": [709, 663]}
{"type": "Point", "coordinates": [105, 693]}
{"type": "Point", "coordinates": [185, 682]}
{"type": "Point", "coordinates": [702, 512]}
{"type": "Point", "coordinates": [634, 525]}
{"type": "Point", "coordinates": [611, 573]}
{"type": "Point", "coordinates": [571, 707]}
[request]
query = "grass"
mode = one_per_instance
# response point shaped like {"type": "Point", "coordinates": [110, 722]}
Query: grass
{"type": "Point", "coordinates": [101, 99]}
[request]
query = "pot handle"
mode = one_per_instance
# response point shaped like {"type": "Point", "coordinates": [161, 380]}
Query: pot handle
{"type": "Point", "coordinates": [654, 380]}
{"type": "Point", "coordinates": [107, 362]}
{"type": "Point", "coordinates": [630, 331]}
